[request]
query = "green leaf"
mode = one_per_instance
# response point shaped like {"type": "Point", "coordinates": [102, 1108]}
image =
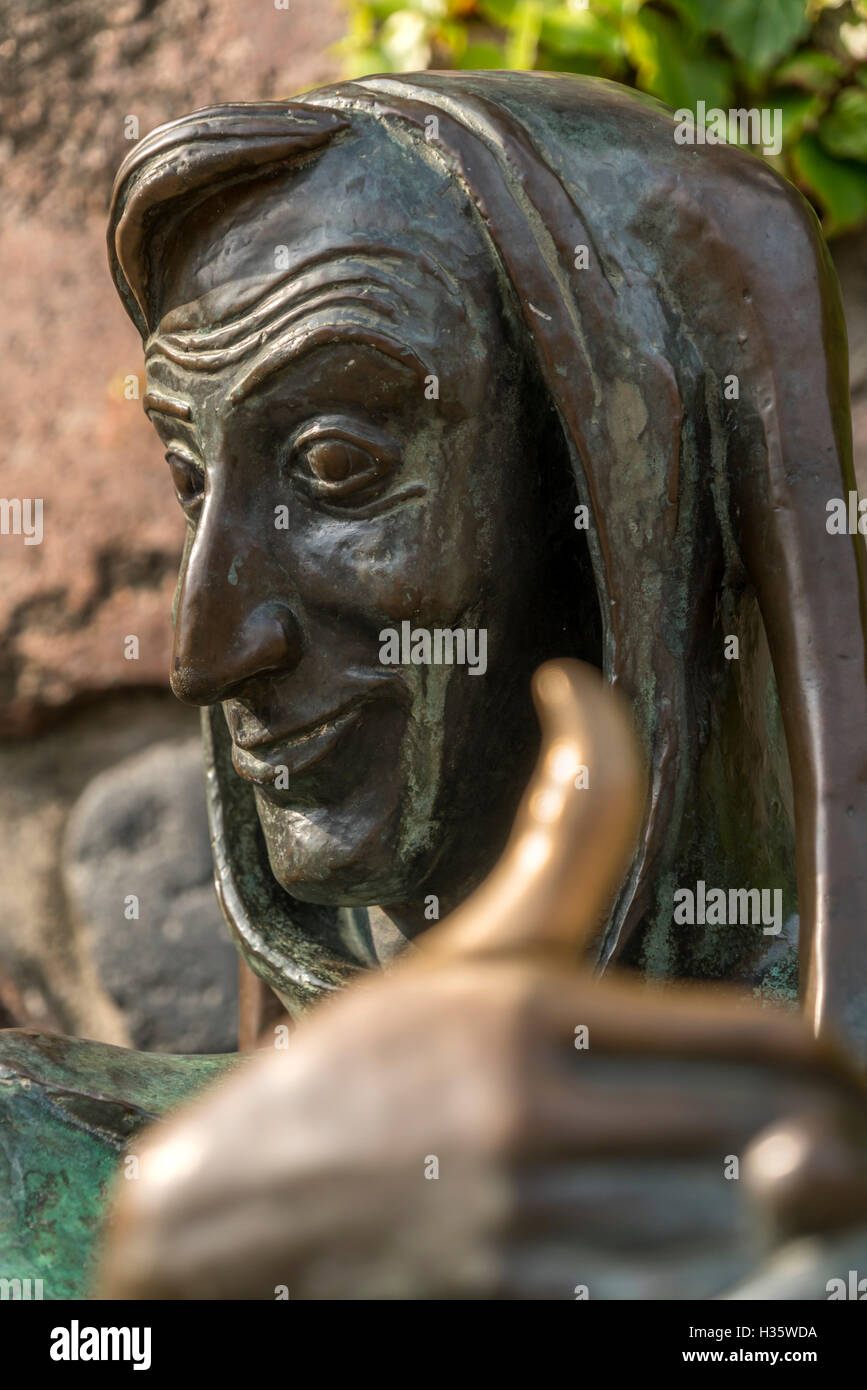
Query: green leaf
{"type": "Point", "coordinates": [451, 36]}
{"type": "Point", "coordinates": [365, 61]}
{"type": "Point", "coordinates": [565, 30]}
{"type": "Point", "coordinates": [405, 40]}
{"type": "Point", "coordinates": [381, 9]}
{"type": "Point", "coordinates": [843, 131]}
{"type": "Point", "coordinates": [617, 7]}
{"type": "Point", "coordinates": [810, 69]}
{"type": "Point", "coordinates": [838, 186]}
{"type": "Point", "coordinates": [696, 13]}
{"type": "Point", "coordinates": [585, 64]}
{"type": "Point", "coordinates": [800, 111]}
{"type": "Point", "coordinates": [498, 11]}
{"type": "Point", "coordinates": [760, 32]}
{"type": "Point", "coordinates": [524, 29]}
{"type": "Point", "coordinates": [482, 55]}
{"type": "Point", "coordinates": [673, 65]}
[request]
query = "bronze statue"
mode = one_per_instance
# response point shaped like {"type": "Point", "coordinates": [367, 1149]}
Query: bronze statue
{"type": "Point", "coordinates": [491, 357]}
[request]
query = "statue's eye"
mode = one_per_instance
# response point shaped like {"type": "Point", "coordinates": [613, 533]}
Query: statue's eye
{"type": "Point", "coordinates": [335, 468]}
{"type": "Point", "coordinates": [189, 481]}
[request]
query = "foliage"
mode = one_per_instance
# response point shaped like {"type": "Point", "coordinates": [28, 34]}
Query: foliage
{"type": "Point", "coordinates": [807, 58]}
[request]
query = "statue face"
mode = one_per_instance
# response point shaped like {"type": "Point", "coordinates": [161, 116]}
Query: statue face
{"type": "Point", "coordinates": [357, 445]}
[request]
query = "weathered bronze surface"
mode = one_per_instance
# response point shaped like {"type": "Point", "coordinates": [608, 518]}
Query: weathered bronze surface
{"type": "Point", "coordinates": [69, 1109]}
{"type": "Point", "coordinates": [334, 232]}
{"type": "Point", "coordinates": [580, 1129]}
{"type": "Point", "coordinates": [398, 333]}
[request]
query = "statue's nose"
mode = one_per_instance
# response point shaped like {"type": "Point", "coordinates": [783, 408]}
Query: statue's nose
{"type": "Point", "coordinates": [227, 634]}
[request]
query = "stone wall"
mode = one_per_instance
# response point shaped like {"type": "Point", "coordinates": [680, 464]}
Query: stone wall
{"type": "Point", "coordinates": [88, 737]}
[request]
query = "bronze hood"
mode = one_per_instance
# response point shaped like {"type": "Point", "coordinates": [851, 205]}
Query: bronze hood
{"type": "Point", "coordinates": [707, 512]}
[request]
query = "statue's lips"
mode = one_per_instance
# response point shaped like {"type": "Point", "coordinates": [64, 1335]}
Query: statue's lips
{"type": "Point", "coordinates": [295, 751]}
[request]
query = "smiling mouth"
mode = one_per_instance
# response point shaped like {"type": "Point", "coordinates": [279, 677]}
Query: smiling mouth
{"type": "Point", "coordinates": [294, 752]}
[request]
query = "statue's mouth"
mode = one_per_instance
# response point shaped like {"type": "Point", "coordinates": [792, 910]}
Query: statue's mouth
{"type": "Point", "coordinates": [293, 751]}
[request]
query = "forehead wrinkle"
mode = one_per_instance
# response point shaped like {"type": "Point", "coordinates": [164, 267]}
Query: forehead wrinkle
{"type": "Point", "coordinates": [315, 274]}
{"type": "Point", "coordinates": [171, 407]}
{"type": "Point", "coordinates": [316, 302]}
{"type": "Point", "coordinates": [364, 330]}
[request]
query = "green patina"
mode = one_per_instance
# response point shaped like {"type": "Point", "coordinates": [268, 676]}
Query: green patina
{"type": "Point", "coordinates": [68, 1111]}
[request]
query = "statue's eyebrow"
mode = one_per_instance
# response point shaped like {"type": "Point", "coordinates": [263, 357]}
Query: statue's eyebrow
{"type": "Point", "coordinates": [167, 405]}
{"type": "Point", "coordinates": [293, 346]}
{"type": "Point", "coordinates": [259, 326]}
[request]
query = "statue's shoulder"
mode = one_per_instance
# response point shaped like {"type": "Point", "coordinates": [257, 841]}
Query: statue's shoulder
{"type": "Point", "coordinates": [68, 1110]}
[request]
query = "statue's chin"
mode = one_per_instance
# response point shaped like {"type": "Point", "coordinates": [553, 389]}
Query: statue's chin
{"type": "Point", "coordinates": [355, 856]}
{"type": "Point", "coordinates": [354, 882]}
{"type": "Point", "coordinates": [330, 893]}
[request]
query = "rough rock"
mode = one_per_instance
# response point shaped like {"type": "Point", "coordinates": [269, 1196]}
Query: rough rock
{"type": "Point", "coordinates": [70, 75]}
{"type": "Point", "coordinates": [138, 875]}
